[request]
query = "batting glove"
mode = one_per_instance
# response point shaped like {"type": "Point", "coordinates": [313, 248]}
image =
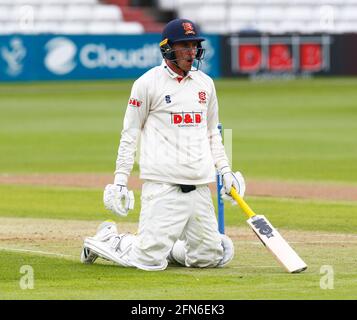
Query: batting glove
{"type": "Point", "coordinates": [118, 199]}
{"type": "Point", "coordinates": [230, 180]}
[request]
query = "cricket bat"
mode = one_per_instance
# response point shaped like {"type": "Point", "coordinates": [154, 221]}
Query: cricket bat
{"type": "Point", "coordinates": [271, 238]}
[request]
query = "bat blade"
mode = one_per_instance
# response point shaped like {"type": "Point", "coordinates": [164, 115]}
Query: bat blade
{"type": "Point", "coordinates": [272, 239]}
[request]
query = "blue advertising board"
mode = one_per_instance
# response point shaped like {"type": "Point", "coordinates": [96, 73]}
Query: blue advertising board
{"type": "Point", "coordinates": [57, 57]}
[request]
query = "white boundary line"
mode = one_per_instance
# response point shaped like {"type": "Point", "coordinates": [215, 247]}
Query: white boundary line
{"type": "Point", "coordinates": [308, 242]}
{"type": "Point", "coordinates": [257, 267]}
{"type": "Point", "coordinates": [38, 252]}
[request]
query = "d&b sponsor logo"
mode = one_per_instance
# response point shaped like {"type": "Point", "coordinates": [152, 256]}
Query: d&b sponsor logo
{"type": "Point", "coordinates": [183, 119]}
{"type": "Point", "coordinates": [135, 103]}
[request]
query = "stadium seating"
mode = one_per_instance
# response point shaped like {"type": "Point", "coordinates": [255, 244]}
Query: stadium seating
{"type": "Point", "coordinates": [273, 16]}
{"type": "Point", "coordinates": [64, 17]}
{"type": "Point", "coordinates": [214, 16]}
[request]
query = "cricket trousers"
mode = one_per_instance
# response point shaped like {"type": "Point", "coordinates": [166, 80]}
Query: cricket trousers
{"type": "Point", "coordinates": [167, 215]}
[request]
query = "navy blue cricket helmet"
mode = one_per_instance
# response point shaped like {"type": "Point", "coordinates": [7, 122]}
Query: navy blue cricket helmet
{"type": "Point", "coordinates": [179, 30]}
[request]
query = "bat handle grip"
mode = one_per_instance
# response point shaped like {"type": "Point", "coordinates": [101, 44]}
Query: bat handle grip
{"type": "Point", "coordinates": [247, 210]}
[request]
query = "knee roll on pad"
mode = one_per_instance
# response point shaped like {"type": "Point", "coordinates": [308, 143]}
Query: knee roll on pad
{"type": "Point", "coordinates": [178, 253]}
{"type": "Point", "coordinates": [228, 250]}
{"type": "Point", "coordinates": [125, 242]}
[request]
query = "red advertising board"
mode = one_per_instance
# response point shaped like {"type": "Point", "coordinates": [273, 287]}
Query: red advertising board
{"type": "Point", "coordinates": [284, 54]}
{"type": "Point", "coordinates": [311, 57]}
{"type": "Point", "coordinates": [280, 58]}
{"type": "Point", "coordinates": [250, 57]}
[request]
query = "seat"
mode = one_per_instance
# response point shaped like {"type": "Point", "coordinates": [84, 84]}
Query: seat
{"type": "Point", "coordinates": [248, 2]}
{"type": "Point", "coordinates": [15, 27]}
{"type": "Point", "coordinates": [107, 13]}
{"type": "Point", "coordinates": [346, 27]}
{"type": "Point", "coordinates": [24, 2]}
{"type": "Point", "coordinates": [242, 13]}
{"type": "Point", "coordinates": [185, 3]}
{"type": "Point", "coordinates": [129, 28]}
{"type": "Point", "coordinates": [268, 27]}
{"type": "Point", "coordinates": [270, 13]}
{"type": "Point", "coordinates": [85, 2]}
{"type": "Point", "coordinates": [5, 13]}
{"type": "Point", "coordinates": [216, 2]}
{"type": "Point", "coordinates": [47, 27]}
{"type": "Point", "coordinates": [188, 13]}
{"type": "Point", "coordinates": [59, 2]}
{"type": "Point", "coordinates": [211, 13]}
{"type": "Point", "coordinates": [71, 2]}
{"type": "Point", "coordinates": [50, 13]}
{"type": "Point", "coordinates": [348, 13]}
{"type": "Point", "coordinates": [73, 28]}
{"type": "Point", "coordinates": [245, 26]}
{"type": "Point", "coordinates": [79, 13]}
{"type": "Point", "coordinates": [167, 4]}
{"type": "Point", "coordinates": [325, 17]}
{"type": "Point", "coordinates": [301, 13]}
{"type": "Point", "coordinates": [101, 28]}
{"type": "Point", "coordinates": [9, 28]}
{"type": "Point", "coordinates": [7, 2]}
{"type": "Point", "coordinates": [292, 27]}
{"type": "Point", "coordinates": [331, 2]}
{"type": "Point", "coordinates": [21, 15]}
{"type": "Point", "coordinates": [279, 2]}
{"type": "Point", "coordinates": [219, 27]}
{"type": "Point", "coordinates": [326, 12]}
{"type": "Point", "coordinates": [314, 27]}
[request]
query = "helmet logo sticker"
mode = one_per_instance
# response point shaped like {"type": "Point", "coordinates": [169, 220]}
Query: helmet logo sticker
{"type": "Point", "coordinates": [188, 27]}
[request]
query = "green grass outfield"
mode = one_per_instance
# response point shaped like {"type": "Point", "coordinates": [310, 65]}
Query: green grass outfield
{"type": "Point", "coordinates": [298, 130]}
{"type": "Point", "coordinates": [292, 130]}
{"type": "Point", "coordinates": [322, 233]}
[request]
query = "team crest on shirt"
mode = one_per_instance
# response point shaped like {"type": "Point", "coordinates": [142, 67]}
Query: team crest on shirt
{"type": "Point", "coordinates": [202, 97]}
{"type": "Point", "coordinates": [188, 27]}
{"type": "Point", "coordinates": [135, 102]}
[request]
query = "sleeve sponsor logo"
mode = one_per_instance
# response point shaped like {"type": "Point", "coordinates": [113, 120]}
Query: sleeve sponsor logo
{"type": "Point", "coordinates": [186, 119]}
{"type": "Point", "coordinates": [135, 103]}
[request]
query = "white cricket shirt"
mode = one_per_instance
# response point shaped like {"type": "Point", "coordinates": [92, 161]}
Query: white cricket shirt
{"type": "Point", "coordinates": [177, 121]}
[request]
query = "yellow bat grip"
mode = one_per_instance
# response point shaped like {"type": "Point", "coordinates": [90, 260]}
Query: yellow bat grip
{"type": "Point", "coordinates": [247, 210]}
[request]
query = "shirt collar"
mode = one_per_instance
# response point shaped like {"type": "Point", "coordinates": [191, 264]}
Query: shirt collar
{"type": "Point", "coordinates": [172, 74]}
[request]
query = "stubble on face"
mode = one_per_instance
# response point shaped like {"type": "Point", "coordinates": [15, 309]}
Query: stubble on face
{"type": "Point", "coordinates": [185, 53]}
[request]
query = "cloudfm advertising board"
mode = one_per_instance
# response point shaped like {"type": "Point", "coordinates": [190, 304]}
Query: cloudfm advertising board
{"type": "Point", "coordinates": [51, 57]}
